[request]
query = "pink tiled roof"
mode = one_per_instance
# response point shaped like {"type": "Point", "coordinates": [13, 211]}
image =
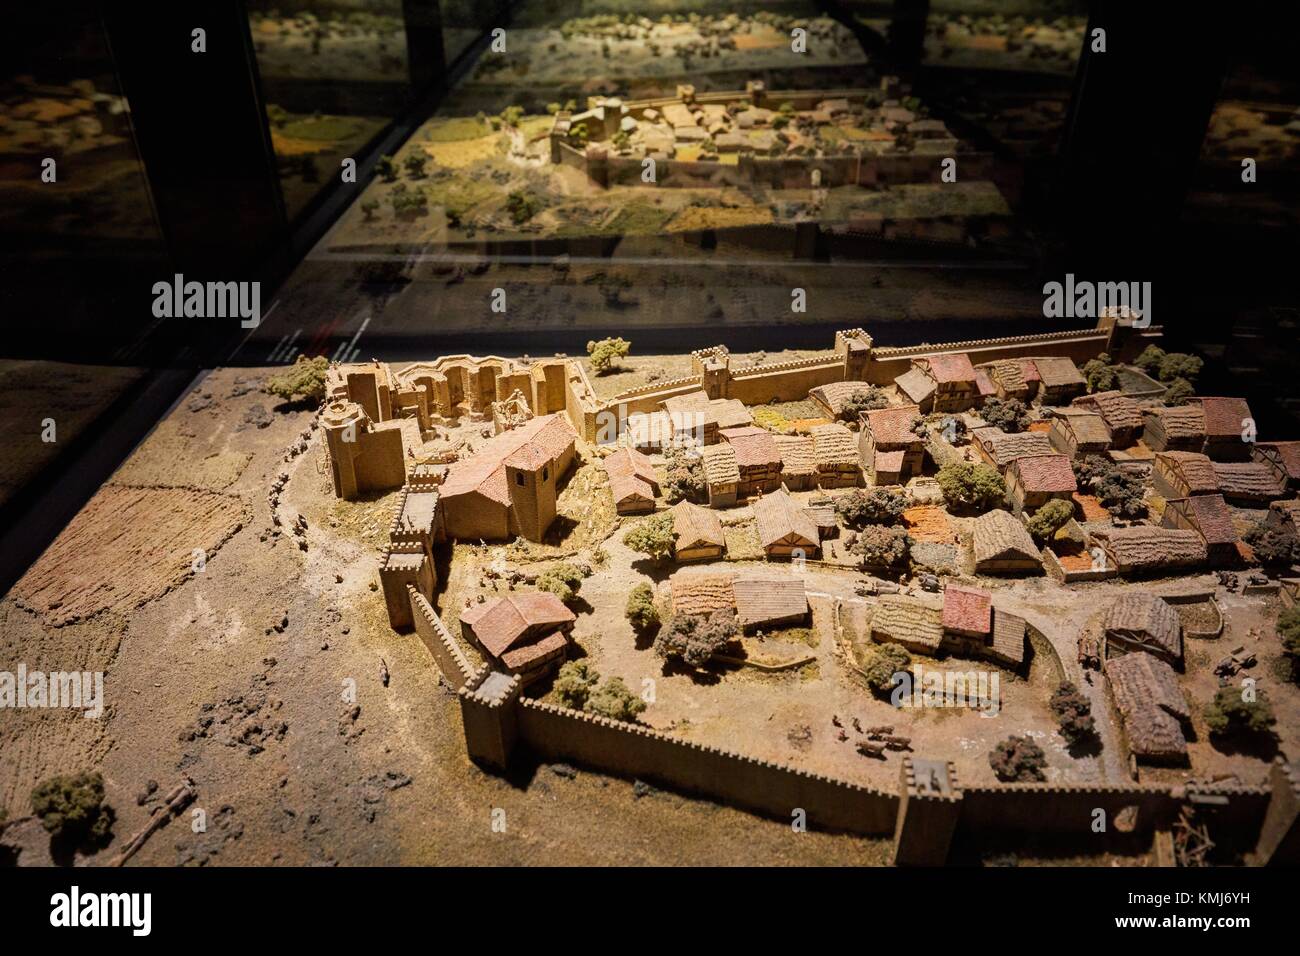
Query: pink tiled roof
{"type": "Point", "coordinates": [967, 609]}
{"type": "Point", "coordinates": [951, 367]}
{"type": "Point", "coordinates": [984, 383]}
{"type": "Point", "coordinates": [893, 426]}
{"type": "Point", "coordinates": [1224, 417]}
{"type": "Point", "coordinates": [754, 446]}
{"type": "Point", "coordinates": [537, 442]}
{"type": "Point", "coordinates": [499, 623]}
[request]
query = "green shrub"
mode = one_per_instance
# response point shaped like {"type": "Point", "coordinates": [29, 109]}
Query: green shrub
{"type": "Point", "coordinates": [881, 663]}
{"type": "Point", "coordinates": [653, 537]}
{"type": "Point", "coordinates": [605, 353]}
{"type": "Point", "coordinates": [695, 639]}
{"type": "Point", "coordinates": [1230, 714]}
{"type": "Point", "coordinates": [305, 380]}
{"type": "Point", "coordinates": [641, 610]}
{"type": "Point", "coordinates": [1049, 519]}
{"type": "Point", "coordinates": [971, 487]}
{"type": "Point", "coordinates": [72, 809]}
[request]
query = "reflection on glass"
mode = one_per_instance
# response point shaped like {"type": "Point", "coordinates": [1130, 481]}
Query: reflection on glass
{"type": "Point", "coordinates": [334, 75]}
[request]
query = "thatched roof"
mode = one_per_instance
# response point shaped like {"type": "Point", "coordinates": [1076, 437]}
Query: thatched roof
{"type": "Point", "coordinates": [782, 521]}
{"type": "Point", "coordinates": [1119, 411]}
{"type": "Point", "coordinates": [1181, 421]}
{"type": "Point", "coordinates": [1143, 621]}
{"type": "Point", "coordinates": [1057, 372]}
{"type": "Point", "coordinates": [1148, 548]}
{"type": "Point", "coordinates": [695, 527]}
{"type": "Point", "coordinates": [1194, 469]}
{"type": "Point", "coordinates": [998, 536]}
{"type": "Point", "coordinates": [796, 454]}
{"type": "Point", "coordinates": [1248, 480]}
{"type": "Point", "coordinates": [1004, 447]}
{"type": "Point", "coordinates": [761, 601]}
{"type": "Point", "coordinates": [1086, 428]}
{"type": "Point", "coordinates": [906, 620]}
{"type": "Point", "coordinates": [834, 394]}
{"type": "Point", "coordinates": [1150, 704]}
{"type": "Point", "coordinates": [916, 385]}
{"type": "Point", "coordinates": [1009, 636]}
{"type": "Point", "coordinates": [720, 467]}
{"type": "Point", "coordinates": [833, 445]}
{"type": "Point", "coordinates": [700, 594]}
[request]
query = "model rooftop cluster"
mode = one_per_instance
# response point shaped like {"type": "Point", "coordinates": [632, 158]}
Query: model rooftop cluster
{"type": "Point", "coordinates": [932, 473]}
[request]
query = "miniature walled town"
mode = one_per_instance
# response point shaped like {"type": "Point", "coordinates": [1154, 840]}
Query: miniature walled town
{"type": "Point", "coordinates": [680, 581]}
{"type": "Point", "coordinates": [940, 602]}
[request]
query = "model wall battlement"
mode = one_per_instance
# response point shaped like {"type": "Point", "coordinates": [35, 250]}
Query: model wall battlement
{"type": "Point", "coordinates": [770, 788]}
{"type": "Point", "coordinates": [455, 668]}
{"type": "Point", "coordinates": [791, 380]}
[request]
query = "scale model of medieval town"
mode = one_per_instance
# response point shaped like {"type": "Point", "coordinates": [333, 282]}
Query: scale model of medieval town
{"type": "Point", "coordinates": [954, 602]}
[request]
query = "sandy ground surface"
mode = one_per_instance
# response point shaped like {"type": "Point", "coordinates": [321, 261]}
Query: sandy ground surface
{"type": "Point", "coordinates": [235, 677]}
{"type": "Point", "coordinates": [259, 673]}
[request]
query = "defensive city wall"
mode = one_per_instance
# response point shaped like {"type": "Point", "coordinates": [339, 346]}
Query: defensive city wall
{"type": "Point", "coordinates": [928, 811]}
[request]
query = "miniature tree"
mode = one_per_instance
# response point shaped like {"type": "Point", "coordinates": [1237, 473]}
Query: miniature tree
{"type": "Point", "coordinates": [277, 115]}
{"type": "Point", "coordinates": [1150, 359]}
{"type": "Point", "coordinates": [368, 209]}
{"type": "Point", "coordinates": [1231, 714]}
{"type": "Point", "coordinates": [641, 610]}
{"type": "Point", "coordinates": [1288, 629]}
{"type": "Point", "coordinates": [1273, 547]}
{"type": "Point", "coordinates": [386, 169]}
{"type": "Point", "coordinates": [522, 206]}
{"type": "Point", "coordinates": [1091, 468]}
{"type": "Point", "coordinates": [970, 487]}
{"type": "Point", "coordinates": [562, 580]}
{"type": "Point", "coordinates": [72, 809]}
{"type": "Point", "coordinates": [1179, 392]}
{"type": "Point", "coordinates": [305, 380]}
{"type": "Point", "coordinates": [653, 537]}
{"type": "Point", "coordinates": [1049, 519]}
{"type": "Point", "coordinates": [1121, 493]}
{"type": "Point", "coordinates": [871, 506]}
{"type": "Point", "coordinates": [881, 663]}
{"type": "Point", "coordinates": [1100, 374]}
{"type": "Point", "coordinates": [684, 478]}
{"type": "Point", "coordinates": [694, 639]}
{"type": "Point", "coordinates": [614, 700]}
{"type": "Point", "coordinates": [605, 353]}
{"type": "Point", "coordinates": [1073, 712]}
{"type": "Point", "coordinates": [863, 400]}
{"type": "Point", "coordinates": [1018, 760]}
{"type": "Point", "coordinates": [1175, 365]}
{"type": "Point", "coordinates": [416, 162]}
{"type": "Point", "coordinates": [553, 108]}
{"type": "Point", "coordinates": [574, 683]}
{"type": "Point", "coordinates": [880, 546]}
{"type": "Point", "coordinates": [408, 203]}
{"type": "Point", "coordinates": [578, 135]}
{"type": "Point", "coordinates": [1008, 414]}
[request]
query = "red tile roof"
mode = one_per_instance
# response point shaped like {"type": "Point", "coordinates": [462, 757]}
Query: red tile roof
{"type": "Point", "coordinates": [537, 442]}
{"type": "Point", "coordinates": [755, 447]}
{"type": "Point", "coordinates": [500, 623]}
{"type": "Point", "coordinates": [1224, 417]}
{"type": "Point", "coordinates": [893, 426]}
{"type": "Point", "coordinates": [1049, 473]}
{"type": "Point", "coordinates": [1212, 518]}
{"type": "Point", "coordinates": [950, 367]}
{"type": "Point", "coordinates": [984, 383]}
{"type": "Point", "coordinates": [967, 610]}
